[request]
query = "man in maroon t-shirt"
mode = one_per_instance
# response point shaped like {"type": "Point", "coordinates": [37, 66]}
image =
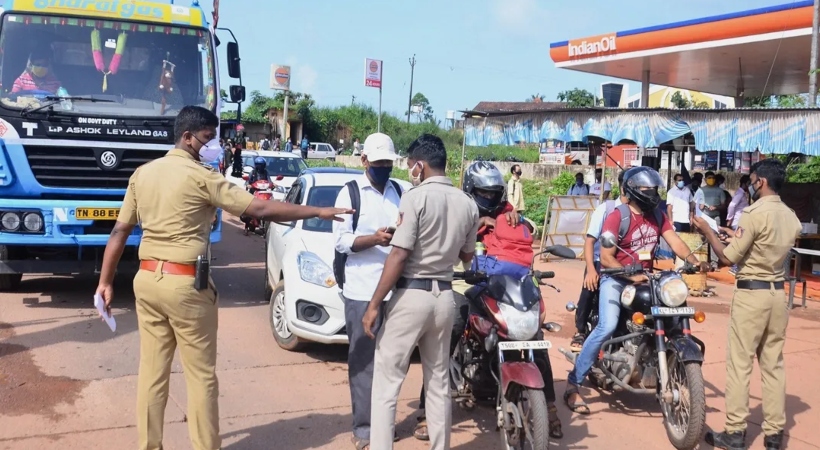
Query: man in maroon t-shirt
{"type": "Point", "coordinates": [638, 244]}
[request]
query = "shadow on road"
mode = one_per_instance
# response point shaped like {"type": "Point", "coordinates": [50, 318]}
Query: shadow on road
{"type": "Point", "coordinates": [310, 431]}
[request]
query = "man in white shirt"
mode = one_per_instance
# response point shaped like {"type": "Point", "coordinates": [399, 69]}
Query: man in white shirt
{"type": "Point", "coordinates": [596, 188]}
{"type": "Point", "coordinates": [739, 201]}
{"type": "Point", "coordinates": [680, 204]}
{"type": "Point", "coordinates": [365, 246]}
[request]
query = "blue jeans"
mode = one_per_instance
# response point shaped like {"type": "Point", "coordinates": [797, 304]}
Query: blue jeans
{"type": "Point", "coordinates": [609, 308]}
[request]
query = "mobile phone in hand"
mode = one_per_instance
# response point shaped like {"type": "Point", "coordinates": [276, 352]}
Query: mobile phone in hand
{"type": "Point", "coordinates": [391, 230]}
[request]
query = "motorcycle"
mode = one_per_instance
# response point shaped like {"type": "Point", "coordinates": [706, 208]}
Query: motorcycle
{"type": "Point", "coordinates": [653, 351]}
{"type": "Point", "coordinates": [263, 190]}
{"type": "Point", "coordinates": [493, 360]}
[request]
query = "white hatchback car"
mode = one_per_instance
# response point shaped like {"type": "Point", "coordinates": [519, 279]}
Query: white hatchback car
{"type": "Point", "coordinates": [283, 168]}
{"type": "Point", "coordinates": [305, 302]}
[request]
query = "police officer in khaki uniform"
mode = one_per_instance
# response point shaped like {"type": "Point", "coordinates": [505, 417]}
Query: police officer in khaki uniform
{"type": "Point", "coordinates": [174, 199]}
{"type": "Point", "coordinates": [437, 227]}
{"type": "Point", "coordinates": [759, 314]}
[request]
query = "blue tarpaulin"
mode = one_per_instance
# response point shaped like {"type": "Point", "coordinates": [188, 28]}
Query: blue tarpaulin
{"type": "Point", "coordinates": [740, 130]}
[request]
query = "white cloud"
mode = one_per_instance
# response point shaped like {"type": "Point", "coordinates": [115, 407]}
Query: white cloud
{"type": "Point", "coordinates": [519, 16]}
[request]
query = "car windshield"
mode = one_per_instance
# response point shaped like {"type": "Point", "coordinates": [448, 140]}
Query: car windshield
{"type": "Point", "coordinates": [277, 165]}
{"type": "Point", "coordinates": [321, 197]}
{"type": "Point", "coordinates": [133, 69]}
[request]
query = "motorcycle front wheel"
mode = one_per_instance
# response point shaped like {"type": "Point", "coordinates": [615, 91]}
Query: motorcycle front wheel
{"type": "Point", "coordinates": [684, 418]}
{"type": "Point", "coordinates": [532, 408]}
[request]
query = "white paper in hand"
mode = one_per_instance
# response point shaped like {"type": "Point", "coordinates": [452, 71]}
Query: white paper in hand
{"type": "Point", "coordinates": [712, 222]}
{"type": "Point", "coordinates": [100, 304]}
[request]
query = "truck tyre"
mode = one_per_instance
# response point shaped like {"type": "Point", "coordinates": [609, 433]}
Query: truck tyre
{"type": "Point", "coordinates": [8, 281]}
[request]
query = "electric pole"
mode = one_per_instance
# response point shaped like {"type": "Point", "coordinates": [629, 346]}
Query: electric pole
{"type": "Point", "coordinates": [813, 59]}
{"type": "Point", "coordinates": [353, 100]}
{"type": "Point", "coordinates": [413, 69]}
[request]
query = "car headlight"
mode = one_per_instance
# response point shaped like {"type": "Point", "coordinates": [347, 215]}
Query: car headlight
{"type": "Point", "coordinates": [628, 295]}
{"type": "Point", "coordinates": [521, 325]}
{"type": "Point", "coordinates": [673, 291]}
{"type": "Point", "coordinates": [313, 270]}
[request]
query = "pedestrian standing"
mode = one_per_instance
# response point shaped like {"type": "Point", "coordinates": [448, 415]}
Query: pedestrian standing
{"type": "Point", "coordinates": [600, 185]}
{"type": "Point", "coordinates": [515, 189]}
{"type": "Point", "coordinates": [304, 146]}
{"type": "Point", "coordinates": [362, 246]}
{"type": "Point", "coordinates": [174, 200]}
{"type": "Point", "coordinates": [289, 145]}
{"type": "Point", "coordinates": [277, 143]}
{"type": "Point", "coordinates": [437, 227]}
{"type": "Point", "coordinates": [759, 315]}
{"type": "Point", "coordinates": [713, 198]}
{"type": "Point", "coordinates": [680, 205]}
{"type": "Point", "coordinates": [739, 202]}
{"type": "Point", "coordinates": [579, 188]}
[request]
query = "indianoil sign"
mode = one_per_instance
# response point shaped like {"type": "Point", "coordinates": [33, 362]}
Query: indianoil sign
{"type": "Point", "coordinates": [591, 47]}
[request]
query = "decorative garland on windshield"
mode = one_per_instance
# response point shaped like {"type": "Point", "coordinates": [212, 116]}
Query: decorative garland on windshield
{"type": "Point", "coordinates": [99, 63]}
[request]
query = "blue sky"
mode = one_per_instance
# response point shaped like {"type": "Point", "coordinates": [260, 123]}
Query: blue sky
{"type": "Point", "coordinates": [466, 51]}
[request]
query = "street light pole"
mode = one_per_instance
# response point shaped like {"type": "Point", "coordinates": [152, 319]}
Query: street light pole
{"type": "Point", "coordinates": [410, 100]}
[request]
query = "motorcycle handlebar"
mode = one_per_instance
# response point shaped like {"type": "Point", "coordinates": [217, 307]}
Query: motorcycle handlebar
{"type": "Point", "coordinates": [631, 269]}
{"type": "Point", "coordinates": [543, 275]}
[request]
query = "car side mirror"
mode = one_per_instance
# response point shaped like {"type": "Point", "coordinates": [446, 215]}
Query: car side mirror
{"type": "Point", "coordinates": [233, 60]}
{"type": "Point", "coordinates": [237, 94]}
{"type": "Point", "coordinates": [607, 240]}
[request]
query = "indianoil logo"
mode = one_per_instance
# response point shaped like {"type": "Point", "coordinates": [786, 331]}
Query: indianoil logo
{"type": "Point", "coordinates": [594, 46]}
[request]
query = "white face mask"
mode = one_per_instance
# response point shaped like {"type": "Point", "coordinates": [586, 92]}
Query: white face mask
{"type": "Point", "coordinates": [210, 151]}
{"type": "Point", "coordinates": [416, 180]}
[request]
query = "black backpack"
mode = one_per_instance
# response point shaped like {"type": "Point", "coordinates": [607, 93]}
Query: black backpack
{"type": "Point", "coordinates": [340, 259]}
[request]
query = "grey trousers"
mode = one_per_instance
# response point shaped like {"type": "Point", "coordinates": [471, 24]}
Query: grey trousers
{"type": "Point", "coordinates": [360, 356]}
{"type": "Point", "coordinates": [413, 317]}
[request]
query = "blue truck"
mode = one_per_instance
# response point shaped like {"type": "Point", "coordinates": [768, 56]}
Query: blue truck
{"type": "Point", "coordinates": [88, 92]}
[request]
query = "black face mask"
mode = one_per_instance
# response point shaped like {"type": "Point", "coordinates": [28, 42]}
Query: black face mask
{"type": "Point", "coordinates": [649, 201]}
{"type": "Point", "coordinates": [519, 173]}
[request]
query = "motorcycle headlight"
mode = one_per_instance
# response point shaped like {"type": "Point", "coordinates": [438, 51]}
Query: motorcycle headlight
{"type": "Point", "coordinates": [521, 325]}
{"type": "Point", "coordinates": [313, 270]}
{"type": "Point", "coordinates": [673, 291]}
{"type": "Point", "coordinates": [628, 295]}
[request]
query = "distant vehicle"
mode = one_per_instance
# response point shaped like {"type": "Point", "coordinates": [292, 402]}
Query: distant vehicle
{"type": "Point", "coordinates": [321, 150]}
{"type": "Point", "coordinates": [305, 302]}
{"type": "Point", "coordinates": [283, 168]}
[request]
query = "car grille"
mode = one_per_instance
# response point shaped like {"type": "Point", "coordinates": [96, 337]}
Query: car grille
{"type": "Point", "coordinates": [80, 167]}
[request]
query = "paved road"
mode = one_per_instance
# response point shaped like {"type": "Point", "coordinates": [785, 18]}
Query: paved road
{"type": "Point", "coordinates": [66, 382]}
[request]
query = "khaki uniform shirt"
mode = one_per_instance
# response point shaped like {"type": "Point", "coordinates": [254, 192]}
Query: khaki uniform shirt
{"type": "Point", "coordinates": [515, 194]}
{"type": "Point", "coordinates": [174, 200]}
{"type": "Point", "coordinates": [765, 235]}
{"type": "Point", "coordinates": [436, 222]}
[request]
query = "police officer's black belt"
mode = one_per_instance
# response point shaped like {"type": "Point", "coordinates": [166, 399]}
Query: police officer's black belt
{"type": "Point", "coordinates": [423, 284]}
{"type": "Point", "coordinates": [755, 285]}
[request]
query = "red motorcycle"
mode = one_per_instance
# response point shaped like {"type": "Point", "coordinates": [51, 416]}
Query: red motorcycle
{"type": "Point", "coordinates": [263, 190]}
{"type": "Point", "coordinates": [494, 360]}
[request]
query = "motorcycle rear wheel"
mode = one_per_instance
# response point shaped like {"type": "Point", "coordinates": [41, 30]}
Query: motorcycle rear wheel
{"type": "Point", "coordinates": [684, 420]}
{"type": "Point", "coordinates": [532, 406]}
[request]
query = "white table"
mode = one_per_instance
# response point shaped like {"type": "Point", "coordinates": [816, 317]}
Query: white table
{"type": "Point", "coordinates": [797, 254]}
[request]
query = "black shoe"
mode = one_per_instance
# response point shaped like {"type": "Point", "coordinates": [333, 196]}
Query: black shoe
{"type": "Point", "coordinates": [727, 441]}
{"type": "Point", "coordinates": [774, 441]}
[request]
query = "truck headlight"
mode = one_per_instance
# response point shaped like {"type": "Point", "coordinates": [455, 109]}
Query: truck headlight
{"type": "Point", "coordinates": [313, 270]}
{"type": "Point", "coordinates": [673, 291]}
{"type": "Point", "coordinates": [10, 221]}
{"type": "Point", "coordinates": [33, 222]}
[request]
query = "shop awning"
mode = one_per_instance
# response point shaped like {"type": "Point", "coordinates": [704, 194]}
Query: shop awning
{"type": "Point", "coordinates": [772, 131]}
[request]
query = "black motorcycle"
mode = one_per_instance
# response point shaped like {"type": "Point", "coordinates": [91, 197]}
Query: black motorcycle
{"type": "Point", "coordinates": [653, 350]}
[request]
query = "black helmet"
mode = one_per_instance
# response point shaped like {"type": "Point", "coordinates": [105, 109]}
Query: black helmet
{"type": "Point", "coordinates": [485, 176]}
{"type": "Point", "coordinates": [641, 186]}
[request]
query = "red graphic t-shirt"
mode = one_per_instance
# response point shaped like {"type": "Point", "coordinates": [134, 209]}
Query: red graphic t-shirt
{"type": "Point", "coordinates": [640, 239]}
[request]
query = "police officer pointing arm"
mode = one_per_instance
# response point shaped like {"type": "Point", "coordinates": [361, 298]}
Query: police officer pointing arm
{"type": "Point", "coordinates": [174, 200]}
{"type": "Point", "coordinates": [765, 234]}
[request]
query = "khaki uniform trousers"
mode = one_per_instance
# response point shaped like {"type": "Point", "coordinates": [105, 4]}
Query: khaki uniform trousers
{"type": "Point", "coordinates": [757, 327]}
{"type": "Point", "coordinates": [171, 314]}
{"type": "Point", "coordinates": [412, 317]}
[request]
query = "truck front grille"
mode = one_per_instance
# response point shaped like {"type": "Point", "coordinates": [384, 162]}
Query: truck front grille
{"type": "Point", "coordinates": [85, 167]}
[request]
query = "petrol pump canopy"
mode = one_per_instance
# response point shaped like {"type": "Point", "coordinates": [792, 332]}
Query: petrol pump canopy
{"type": "Point", "coordinates": [730, 54]}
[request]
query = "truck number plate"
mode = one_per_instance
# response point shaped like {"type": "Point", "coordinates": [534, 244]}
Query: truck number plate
{"type": "Point", "coordinates": [96, 213]}
{"type": "Point", "coordinates": [525, 345]}
{"type": "Point", "coordinates": [659, 311]}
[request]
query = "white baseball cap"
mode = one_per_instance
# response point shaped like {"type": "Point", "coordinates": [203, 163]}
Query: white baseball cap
{"type": "Point", "coordinates": [379, 147]}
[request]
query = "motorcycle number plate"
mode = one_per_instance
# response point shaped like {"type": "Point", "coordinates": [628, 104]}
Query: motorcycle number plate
{"type": "Point", "coordinates": [525, 345]}
{"type": "Point", "coordinates": [660, 311]}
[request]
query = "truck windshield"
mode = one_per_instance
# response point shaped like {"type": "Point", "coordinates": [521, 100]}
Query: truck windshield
{"type": "Point", "coordinates": [140, 69]}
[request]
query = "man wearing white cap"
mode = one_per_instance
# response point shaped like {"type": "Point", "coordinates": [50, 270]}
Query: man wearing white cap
{"type": "Point", "coordinates": [362, 246]}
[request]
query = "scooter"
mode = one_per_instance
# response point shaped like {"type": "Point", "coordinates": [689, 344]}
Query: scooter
{"type": "Point", "coordinates": [263, 190]}
{"type": "Point", "coordinates": [494, 360]}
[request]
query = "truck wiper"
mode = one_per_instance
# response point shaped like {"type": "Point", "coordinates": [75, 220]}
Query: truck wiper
{"type": "Point", "coordinates": [54, 99]}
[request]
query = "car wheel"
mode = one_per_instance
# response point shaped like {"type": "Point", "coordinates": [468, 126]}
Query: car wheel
{"type": "Point", "coordinates": [279, 322]}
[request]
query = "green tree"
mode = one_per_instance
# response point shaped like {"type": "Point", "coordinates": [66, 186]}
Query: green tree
{"type": "Point", "coordinates": [579, 98]}
{"type": "Point", "coordinates": [780, 101]}
{"type": "Point", "coordinates": [681, 102]}
{"type": "Point", "coordinates": [425, 110]}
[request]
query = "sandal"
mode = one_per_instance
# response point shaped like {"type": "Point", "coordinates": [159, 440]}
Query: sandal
{"type": "Point", "coordinates": [360, 444]}
{"type": "Point", "coordinates": [579, 406]}
{"type": "Point", "coordinates": [577, 342]}
{"type": "Point", "coordinates": [420, 432]}
{"type": "Point", "coordinates": [554, 422]}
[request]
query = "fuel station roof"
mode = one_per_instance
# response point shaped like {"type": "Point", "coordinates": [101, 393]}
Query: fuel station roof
{"type": "Point", "coordinates": [730, 54]}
